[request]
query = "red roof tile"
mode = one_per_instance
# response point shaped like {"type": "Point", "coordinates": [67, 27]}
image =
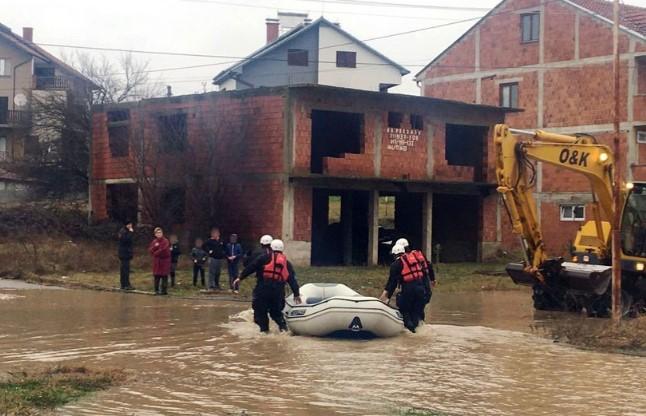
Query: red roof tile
{"type": "Point", "coordinates": [631, 17]}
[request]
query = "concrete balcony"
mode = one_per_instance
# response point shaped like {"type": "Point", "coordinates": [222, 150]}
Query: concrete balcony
{"type": "Point", "coordinates": [12, 118]}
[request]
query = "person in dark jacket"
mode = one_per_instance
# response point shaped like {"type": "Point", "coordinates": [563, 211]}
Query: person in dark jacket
{"type": "Point", "coordinates": [264, 248]}
{"type": "Point", "coordinates": [200, 257]}
{"type": "Point", "coordinates": [159, 249]}
{"type": "Point", "coordinates": [216, 251]}
{"type": "Point", "coordinates": [409, 275]}
{"type": "Point", "coordinates": [125, 253]}
{"type": "Point", "coordinates": [174, 257]}
{"type": "Point", "coordinates": [427, 266]}
{"type": "Point", "coordinates": [234, 254]}
{"type": "Point", "coordinates": [273, 271]}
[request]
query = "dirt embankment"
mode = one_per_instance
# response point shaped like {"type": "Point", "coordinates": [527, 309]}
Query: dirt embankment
{"type": "Point", "coordinates": [628, 336]}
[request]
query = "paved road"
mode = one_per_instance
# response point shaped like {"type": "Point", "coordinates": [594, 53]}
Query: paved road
{"type": "Point", "coordinates": [19, 284]}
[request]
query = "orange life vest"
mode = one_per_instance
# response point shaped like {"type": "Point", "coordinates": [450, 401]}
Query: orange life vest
{"type": "Point", "coordinates": [421, 258]}
{"type": "Point", "coordinates": [412, 269]}
{"type": "Point", "coordinates": [276, 269]}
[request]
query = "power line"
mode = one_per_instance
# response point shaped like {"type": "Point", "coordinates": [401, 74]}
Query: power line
{"type": "Point", "coordinates": [255, 6]}
{"type": "Point", "coordinates": [371, 3]}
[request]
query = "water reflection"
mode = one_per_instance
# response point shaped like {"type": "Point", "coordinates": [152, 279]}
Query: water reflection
{"type": "Point", "coordinates": [191, 358]}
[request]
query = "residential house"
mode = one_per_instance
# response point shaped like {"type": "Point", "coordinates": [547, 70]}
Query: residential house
{"type": "Point", "coordinates": [553, 59]}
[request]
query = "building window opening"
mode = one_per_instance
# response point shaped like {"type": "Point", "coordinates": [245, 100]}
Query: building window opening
{"type": "Point", "coordinates": [509, 95]}
{"type": "Point", "coordinates": [334, 134]}
{"type": "Point", "coordinates": [173, 203]}
{"type": "Point", "coordinates": [416, 122]}
{"type": "Point", "coordinates": [334, 209]}
{"type": "Point", "coordinates": [122, 200]}
{"type": "Point", "coordinates": [297, 57]}
{"type": "Point", "coordinates": [118, 141]}
{"type": "Point", "coordinates": [346, 59]}
{"type": "Point", "coordinates": [116, 116]}
{"type": "Point", "coordinates": [395, 119]}
{"type": "Point", "coordinates": [530, 26]}
{"type": "Point", "coordinates": [173, 133]}
{"type": "Point", "coordinates": [465, 146]}
{"type": "Point", "coordinates": [570, 212]}
{"type": "Point", "coordinates": [640, 63]}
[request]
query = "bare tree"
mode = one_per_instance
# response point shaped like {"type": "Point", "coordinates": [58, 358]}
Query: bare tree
{"type": "Point", "coordinates": [57, 135]}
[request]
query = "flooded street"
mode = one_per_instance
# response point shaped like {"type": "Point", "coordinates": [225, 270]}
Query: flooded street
{"type": "Point", "coordinates": [480, 357]}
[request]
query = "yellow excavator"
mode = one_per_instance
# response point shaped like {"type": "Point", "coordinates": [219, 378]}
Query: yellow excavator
{"type": "Point", "coordinates": [583, 283]}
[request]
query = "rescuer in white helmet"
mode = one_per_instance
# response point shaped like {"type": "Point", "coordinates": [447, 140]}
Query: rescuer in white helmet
{"type": "Point", "coordinates": [265, 242]}
{"type": "Point", "coordinates": [273, 271]}
{"type": "Point", "coordinates": [426, 265]}
{"type": "Point", "coordinates": [407, 273]}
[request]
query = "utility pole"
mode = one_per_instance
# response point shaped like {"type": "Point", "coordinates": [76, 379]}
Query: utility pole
{"type": "Point", "coordinates": [618, 178]}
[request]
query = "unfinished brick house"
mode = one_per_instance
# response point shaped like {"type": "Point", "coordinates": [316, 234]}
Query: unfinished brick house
{"type": "Point", "coordinates": [284, 156]}
{"type": "Point", "coordinates": [553, 59]}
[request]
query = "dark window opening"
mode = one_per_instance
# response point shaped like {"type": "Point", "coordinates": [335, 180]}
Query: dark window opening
{"type": "Point", "coordinates": [640, 63]}
{"type": "Point", "coordinates": [530, 26]}
{"type": "Point", "coordinates": [465, 146]}
{"type": "Point", "coordinates": [346, 59]}
{"type": "Point", "coordinates": [116, 116]}
{"type": "Point", "coordinates": [334, 133]}
{"type": "Point", "coordinates": [509, 95]}
{"type": "Point", "coordinates": [395, 119]}
{"type": "Point", "coordinates": [416, 122]}
{"type": "Point", "coordinates": [44, 71]}
{"type": "Point", "coordinates": [297, 57]}
{"type": "Point", "coordinates": [172, 133]}
{"type": "Point", "coordinates": [122, 201]}
{"type": "Point", "coordinates": [118, 140]}
{"type": "Point", "coordinates": [173, 203]}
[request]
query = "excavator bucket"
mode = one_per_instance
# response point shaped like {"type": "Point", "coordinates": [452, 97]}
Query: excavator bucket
{"type": "Point", "coordinates": [575, 278]}
{"type": "Point", "coordinates": [519, 274]}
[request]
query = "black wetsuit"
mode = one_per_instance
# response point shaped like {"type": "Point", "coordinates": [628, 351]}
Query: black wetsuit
{"type": "Point", "coordinates": [269, 295]}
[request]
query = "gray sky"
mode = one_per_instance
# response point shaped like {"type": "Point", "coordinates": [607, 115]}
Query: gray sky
{"type": "Point", "coordinates": [234, 28]}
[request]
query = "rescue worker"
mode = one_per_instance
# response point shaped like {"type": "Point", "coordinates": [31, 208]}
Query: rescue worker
{"type": "Point", "coordinates": [265, 242]}
{"type": "Point", "coordinates": [272, 270]}
{"type": "Point", "coordinates": [407, 273]}
{"type": "Point", "coordinates": [428, 266]}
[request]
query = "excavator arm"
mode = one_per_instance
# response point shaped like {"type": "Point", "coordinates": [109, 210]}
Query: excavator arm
{"type": "Point", "coordinates": [516, 153]}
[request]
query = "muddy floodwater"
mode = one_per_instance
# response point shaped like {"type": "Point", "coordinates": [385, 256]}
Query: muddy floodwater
{"type": "Point", "coordinates": [483, 355]}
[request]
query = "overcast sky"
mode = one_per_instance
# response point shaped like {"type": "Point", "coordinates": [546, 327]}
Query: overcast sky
{"type": "Point", "coordinates": [235, 28]}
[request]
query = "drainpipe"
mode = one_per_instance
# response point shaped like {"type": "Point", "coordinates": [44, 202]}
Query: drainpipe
{"type": "Point", "coordinates": [13, 95]}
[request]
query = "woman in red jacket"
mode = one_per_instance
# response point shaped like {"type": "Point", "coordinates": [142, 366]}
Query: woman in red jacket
{"type": "Point", "coordinates": [160, 250]}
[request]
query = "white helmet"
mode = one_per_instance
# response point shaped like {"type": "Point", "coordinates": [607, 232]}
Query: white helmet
{"type": "Point", "coordinates": [398, 249]}
{"type": "Point", "coordinates": [266, 239]}
{"type": "Point", "coordinates": [402, 242]}
{"type": "Point", "coordinates": [277, 245]}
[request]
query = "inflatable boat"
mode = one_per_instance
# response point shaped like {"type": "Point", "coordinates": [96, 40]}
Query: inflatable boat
{"type": "Point", "coordinates": [336, 310]}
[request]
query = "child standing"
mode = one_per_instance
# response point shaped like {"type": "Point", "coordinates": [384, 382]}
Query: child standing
{"type": "Point", "coordinates": [200, 257]}
{"type": "Point", "coordinates": [174, 257]}
{"type": "Point", "coordinates": [234, 254]}
{"type": "Point", "coordinates": [160, 250]}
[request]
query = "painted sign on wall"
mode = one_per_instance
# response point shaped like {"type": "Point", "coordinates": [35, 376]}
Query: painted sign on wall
{"type": "Point", "coordinates": [402, 139]}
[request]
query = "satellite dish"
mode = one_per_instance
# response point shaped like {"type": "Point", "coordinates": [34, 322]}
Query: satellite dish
{"type": "Point", "coordinates": [20, 100]}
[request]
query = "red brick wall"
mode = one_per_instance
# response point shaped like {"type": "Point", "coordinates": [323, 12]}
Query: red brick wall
{"type": "Point", "coordinates": [302, 213]}
{"type": "Point", "coordinates": [559, 24]}
{"type": "Point", "coordinates": [458, 60]}
{"type": "Point", "coordinates": [247, 133]}
{"type": "Point", "coordinates": [454, 90]}
{"type": "Point", "coordinates": [442, 171]}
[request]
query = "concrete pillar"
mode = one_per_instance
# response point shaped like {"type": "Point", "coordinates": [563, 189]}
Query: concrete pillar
{"type": "Point", "coordinates": [427, 225]}
{"type": "Point", "coordinates": [346, 224]}
{"type": "Point", "coordinates": [373, 228]}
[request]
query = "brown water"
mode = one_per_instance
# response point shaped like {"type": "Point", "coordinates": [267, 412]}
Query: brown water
{"type": "Point", "coordinates": [480, 357]}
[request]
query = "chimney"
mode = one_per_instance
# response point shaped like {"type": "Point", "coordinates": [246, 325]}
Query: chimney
{"type": "Point", "coordinates": [169, 91]}
{"type": "Point", "coordinates": [28, 34]}
{"type": "Point", "coordinates": [272, 29]}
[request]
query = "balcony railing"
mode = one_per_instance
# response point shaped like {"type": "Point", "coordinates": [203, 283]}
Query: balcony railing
{"type": "Point", "coordinates": [52, 83]}
{"type": "Point", "coordinates": [14, 117]}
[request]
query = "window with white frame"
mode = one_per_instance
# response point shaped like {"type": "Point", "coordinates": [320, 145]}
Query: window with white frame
{"type": "Point", "coordinates": [572, 212]}
{"type": "Point", "coordinates": [509, 95]}
{"type": "Point", "coordinates": [641, 136]}
{"type": "Point", "coordinates": [4, 67]}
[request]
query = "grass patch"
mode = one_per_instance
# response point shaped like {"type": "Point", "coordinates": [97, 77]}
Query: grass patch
{"type": "Point", "coordinates": [628, 336]}
{"type": "Point", "coordinates": [30, 393]}
{"type": "Point", "coordinates": [420, 412]}
{"type": "Point", "coordinates": [368, 281]}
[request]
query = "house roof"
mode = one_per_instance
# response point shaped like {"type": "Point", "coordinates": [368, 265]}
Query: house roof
{"type": "Point", "coordinates": [35, 50]}
{"type": "Point", "coordinates": [631, 18]}
{"type": "Point", "coordinates": [288, 36]}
